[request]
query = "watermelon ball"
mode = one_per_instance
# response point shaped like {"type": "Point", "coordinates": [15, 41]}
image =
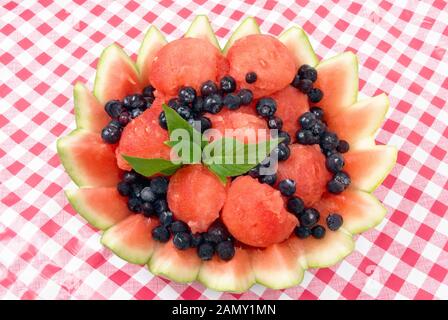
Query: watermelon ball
{"type": "Point", "coordinates": [143, 137]}
{"type": "Point", "coordinates": [266, 56]}
{"type": "Point", "coordinates": [334, 221]}
{"type": "Point", "coordinates": [206, 251]}
{"type": "Point", "coordinates": [196, 196]}
{"type": "Point", "coordinates": [225, 250]}
{"type": "Point", "coordinates": [306, 166]}
{"type": "Point", "coordinates": [291, 104]}
{"type": "Point", "coordinates": [254, 213]}
{"type": "Point", "coordinates": [302, 232]}
{"type": "Point", "coordinates": [186, 62]}
{"type": "Point", "coordinates": [161, 234]}
{"type": "Point", "coordinates": [243, 123]}
{"type": "Point", "coordinates": [318, 232]}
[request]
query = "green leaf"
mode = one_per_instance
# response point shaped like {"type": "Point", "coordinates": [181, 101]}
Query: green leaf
{"type": "Point", "coordinates": [149, 167]}
{"type": "Point", "coordinates": [229, 157]}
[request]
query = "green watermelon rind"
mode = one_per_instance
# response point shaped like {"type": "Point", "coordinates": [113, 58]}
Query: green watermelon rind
{"type": "Point", "coordinates": [105, 63]}
{"type": "Point", "coordinates": [62, 147]}
{"type": "Point", "coordinates": [248, 26]}
{"type": "Point", "coordinates": [303, 49]}
{"type": "Point", "coordinates": [152, 42]}
{"type": "Point", "coordinates": [202, 29]}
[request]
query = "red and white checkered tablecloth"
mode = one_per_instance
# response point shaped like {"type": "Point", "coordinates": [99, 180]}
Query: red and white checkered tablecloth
{"type": "Point", "coordinates": [48, 252]}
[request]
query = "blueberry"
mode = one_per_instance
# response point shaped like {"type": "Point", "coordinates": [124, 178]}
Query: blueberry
{"type": "Point", "coordinates": [213, 103]}
{"type": "Point", "coordinates": [111, 134]}
{"type": "Point", "coordinates": [319, 128]}
{"type": "Point", "coordinates": [166, 218]}
{"type": "Point", "coordinates": [115, 123]}
{"type": "Point", "coordinates": [161, 234]}
{"type": "Point", "coordinates": [160, 205]}
{"type": "Point", "coordinates": [206, 251]}
{"type": "Point", "coordinates": [318, 232]}
{"type": "Point", "coordinates": [287, 187]}
{"type": "Point", "coordinates": [184, 112]}
{"type": "Point", "coordinates": [302, 232]}
{"type": "Point", "coordinates": [130, 176]}
{"type": "Point", "coordinates": [309, 217]}
{"type": "Point", "coordinates": [335, 162]}
{"type": "Point", "coordinates": [198, 105]}
{"type": "Point", "coordinates": [246, 96]}
{"type": "Point", "coordinates": [123, 189]}
{"type": "Point", "coordinates": [134, 204]}
{"type": "Point", "coordinates": [251, 77]}
{"type": "Point", "coordinates": [114, 108]}
{"type": "Point", "coordinates": [147, 195]}
{"type": "Point", "coordinates": [124, 118]}
{"type": "Point", "coordinates": [318, 112]}
{"type": "Point", "coordinates": [147, 209]}
{"type": "Point", "coordinates": [307, 120]}
{"type": "Point", "coordinates": [306, 137]}
{"type": "Point", "coordinates": [268, 179]}
{"type": "Point", "coordinates": [334, 221]}
{"type": "Point", "coordinates": [182, 240]}
{"type": "Point", "coordinates": [275, 122]}
{"type": "Point", "coordinates": [134, 101]}
{"type": "Point", "coordinates": [159, 185]}
{"type": "Point", "coordinates": [343, 146]}
{"type": "Point", "coordinates": [315, 95]}
{"type": "Point", "coordinates": [149, 101]}
{"type": "Point", "coordinates": [305, 85]}
{"type": "Point", "coordinates": [135, 113]}
{"type": "Point", "coordinates": [187, 94]}
{"type": "Point", "coordinates": [307, 72]}
{"type": "Point", "coordinates": [148, 91]}
{"type": "Point", "coordinates": [329, 141]}
{"type": "Point", "coordinates": [328, 153]}
{"type": "Point", "coordinates": [179, 226]}
{"type": "Point", "coordinates": [282, 152]}
{"type": "Point", "coordinates": [295, 82]}
{"type": "Point", "coordinates": [162, 120]}
{"type": "Point", "coordinates": [225, 250]}
{"type": "Point", "coordinates": [254, 172]}
{"type": "Point", "coordinates": [227, 84]}
{"type": "Point", "coordinates": [173, 103]}
{"type": "Point", "coordinates": [266, 107]}
{"type": "Point", "coordinates": [286, 137]}
{"type": "Point", "coordinates": [136, 188]}
{"type": "Point", "coordinates": [232, 101]}
{"type": "Point", "coordinates": [196, 239]}
{"type": "Point", "coordinates": [205, 124]}
{"type": "Point", "coordinates": [208, 88]}
{"type": "Point", "coordinates": [339, 183]}
{"type": "Point", "coordinates": [295, 205]}
{"type": "Point", "coordinates": [216, 233]}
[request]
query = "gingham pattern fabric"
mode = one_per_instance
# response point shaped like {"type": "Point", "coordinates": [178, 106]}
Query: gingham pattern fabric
{"type": "Point", "coordinates": [47, 251]}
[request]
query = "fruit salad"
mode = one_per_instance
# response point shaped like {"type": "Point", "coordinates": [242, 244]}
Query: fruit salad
{"type": "Point", "coordinates": [156, 156]}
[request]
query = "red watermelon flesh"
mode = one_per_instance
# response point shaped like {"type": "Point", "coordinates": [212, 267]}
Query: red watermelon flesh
{"type": "Point", "coordinates": [306, 166]}
{"type": "Point", "coordinates": [186, 62]}
{"type": "Point", "coordinates": [143, 137]}
{"type": "Point", "coordinates": [291, 104]}
{"type": "Point", "coordinates": [245, 123]}
{"type": "Point", "coordinates": [254, 213]}
{"type": "Point", "coordinates": [265, 55]}
{"type": "Point", "coordinates": [196, 196]}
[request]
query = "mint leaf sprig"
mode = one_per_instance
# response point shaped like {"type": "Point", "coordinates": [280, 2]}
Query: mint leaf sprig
{"type": "Point", "coordinates": [225, 157]}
